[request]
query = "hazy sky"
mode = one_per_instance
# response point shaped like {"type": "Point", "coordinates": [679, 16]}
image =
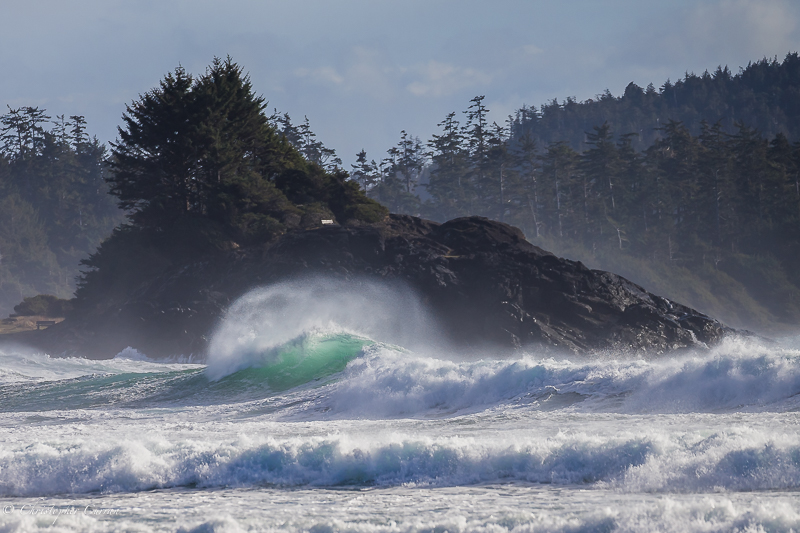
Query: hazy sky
{"type": "Point", "coordinates": [364, 70]}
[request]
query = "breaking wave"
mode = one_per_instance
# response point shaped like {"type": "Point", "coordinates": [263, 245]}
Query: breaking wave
{"type": "Point", "coordinates": [739, 460]}
{"type": "Point", "coordinates": [346, 375]}
{"type": "Point", "coordinates": [310, 394]}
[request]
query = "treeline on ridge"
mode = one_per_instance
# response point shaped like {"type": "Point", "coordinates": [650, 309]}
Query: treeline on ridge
{"type": "Point", "coordinates": [765, 95]}
{"type": "Point", "coordinates": [685, 189]}
{"type": "Point", "coordinates": [711, 219]}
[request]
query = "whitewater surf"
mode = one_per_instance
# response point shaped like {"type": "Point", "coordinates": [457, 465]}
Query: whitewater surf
{"type": "Point", "coordinates": [327, 409]}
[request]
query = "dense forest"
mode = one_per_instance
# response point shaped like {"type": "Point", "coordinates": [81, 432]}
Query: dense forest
{"type": "Point", "coordinates": [691, 189]}
{"type": "Point", "coordinates": [765, 95]}
{"type": "Point", "coordinates": [705, 211]}
{"type": "Point", "coordinates": [54, 203]}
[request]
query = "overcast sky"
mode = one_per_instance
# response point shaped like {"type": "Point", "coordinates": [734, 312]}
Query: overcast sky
{"type": "Point", "coordinates": [362, 70]}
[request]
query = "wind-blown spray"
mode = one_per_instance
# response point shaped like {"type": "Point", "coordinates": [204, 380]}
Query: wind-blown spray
{"type": "Point", "coordinates": [261, 322]}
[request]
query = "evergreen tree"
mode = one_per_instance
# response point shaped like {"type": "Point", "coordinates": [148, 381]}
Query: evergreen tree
{"type": "Point", "coordinates": [751, 178]}
{"type": "Point", "coordinates": [288, 130]}
{"type": "Point", "coordinates": [448, 186]}
{"type": "Point", "coordinates": [365, 173]}
{"type": "Point", "coordinates": [24, 248]}
{"type": "Point", "coordinates": [528, 190]}
{"type": "Point", "coordinates": [601, 163]}
{"type": "Point", "coordinates": [401, 170]}
{"type": "Point", "coordinates": [631, 217]}
{"type": "Point", "coordinates": [715, 209]}
{"type": "Point", "coordinates": [476, 139]}
{"type": "Point", "coordinates": [154, 164]}
{"type": "Point", "coordinates": [559, 169]}
{"type": "Point", "coordinates": [202, 148]}
{"type": "Point", "coordinates": [500, 177]}
{"type": "Point", "coordinates": [305, 140]}
{"type": "Point", "coordinates": [763, 95]}
{"type": "Point", "coordinates": [715, 187]}
{"type": "Point", "coordinates": [674, 160]}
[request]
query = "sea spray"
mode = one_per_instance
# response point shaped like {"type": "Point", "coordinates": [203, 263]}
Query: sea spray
{"type": "Point", "coordinates": [262, 321]}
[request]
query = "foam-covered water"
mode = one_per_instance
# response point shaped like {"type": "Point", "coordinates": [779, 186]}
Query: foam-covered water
{"type": "Point", "coordinates": [303, 421]}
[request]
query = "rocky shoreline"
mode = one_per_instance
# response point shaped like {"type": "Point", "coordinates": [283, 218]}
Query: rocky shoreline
{"type": "Point", "coordinates": [487, 286]}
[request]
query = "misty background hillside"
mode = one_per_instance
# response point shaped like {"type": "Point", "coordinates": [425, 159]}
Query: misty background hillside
{"type": "Point", "coordinates": [690, 189]}
{"type": "Point", "coordinates": [54, 204]}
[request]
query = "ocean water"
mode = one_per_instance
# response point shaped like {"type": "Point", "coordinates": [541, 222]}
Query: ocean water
{"type": "Point", "coordinates": [322, 408]}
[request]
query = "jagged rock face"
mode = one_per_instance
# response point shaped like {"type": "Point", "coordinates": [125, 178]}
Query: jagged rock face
{"type": "Point", "coordinates": [484, 282]}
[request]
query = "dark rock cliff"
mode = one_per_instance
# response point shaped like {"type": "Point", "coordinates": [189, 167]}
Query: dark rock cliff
{"type": "Point", "coordinates": [485, 283]}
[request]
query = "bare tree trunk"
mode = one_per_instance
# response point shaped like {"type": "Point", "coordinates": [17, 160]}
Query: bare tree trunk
{"type": "Point", "coordinates": [502, 197]}
{"type": "Point", "coordinates": [611, 189]}
{"type": "Point", "coordinates": [532, 207]}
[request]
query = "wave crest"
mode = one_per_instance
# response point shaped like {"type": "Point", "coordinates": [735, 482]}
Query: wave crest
{"type": "Point", "coordinates": [739, 374]}
{"type": "Point", "coordinates": [741, 460]}
{"type": "Point", "coordinates": [262, 321]}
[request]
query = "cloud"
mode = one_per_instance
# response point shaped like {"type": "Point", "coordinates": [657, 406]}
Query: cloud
{"type": "Point", "coordinates": [708, 34]}
{"type": "Point", "coordinates": [368, 72]}
{"type": "Point", "coordinates": [442, 79]}
{"type": "Point", "coordinates": [361, 71]}
{"type": "Point", "coordinates": [751, 27]}
{"type": "Point", "coordinates": [322, 75]}
{"type": "Point", "coordinates": [532, 50]}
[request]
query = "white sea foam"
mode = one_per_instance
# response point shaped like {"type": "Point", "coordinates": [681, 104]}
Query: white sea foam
{"type": "Point", "coordinates": [383, 381]}
{"type": "Point", "coordinates": [739, 374]}
{"type": "Point", "coordinates": [131, 354]}
{"type": "Point", "coordinates": [491, 509]}
{"type": "Point", "coordinates": [640, 455]}
{"type": "Point", "coordinates": [707, 441]}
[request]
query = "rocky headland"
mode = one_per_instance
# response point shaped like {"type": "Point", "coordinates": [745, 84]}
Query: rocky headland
{"type": "Point", "coordinates": [486, 285]}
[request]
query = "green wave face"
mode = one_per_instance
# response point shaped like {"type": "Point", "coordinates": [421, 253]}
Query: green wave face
{"type": "Point", "coordinates": [305, 359]}
{"type": "Point", "coordinates": [103, 390]}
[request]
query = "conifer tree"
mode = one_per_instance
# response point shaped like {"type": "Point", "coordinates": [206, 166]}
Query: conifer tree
{"type": "Point", "coordinates": [476, 137]}
{"type": "Point", "coordinates": [559, 169]}
{"type": "Point", "coordinates": [600, 162]}
{"type": "Point", "coordinates": [500, 176]}
{"type": "Point", "coordinates": [448, 185]}
{"type": "Point", "coordinates": [401, 170]}
{"type": "Point", "coordinates": [527, 162]}
{"type": "Point", "coordinates": [154, 163]}
{"type": "Point", "coordinates": [715, 189]}
{"type": "Point", "coordinates": [752, 182]}
{"type": "Point", "coordinates": [365, 173]}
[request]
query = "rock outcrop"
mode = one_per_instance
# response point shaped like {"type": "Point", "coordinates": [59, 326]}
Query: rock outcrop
{"type": "Point", "coordinates": [486, 284]}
